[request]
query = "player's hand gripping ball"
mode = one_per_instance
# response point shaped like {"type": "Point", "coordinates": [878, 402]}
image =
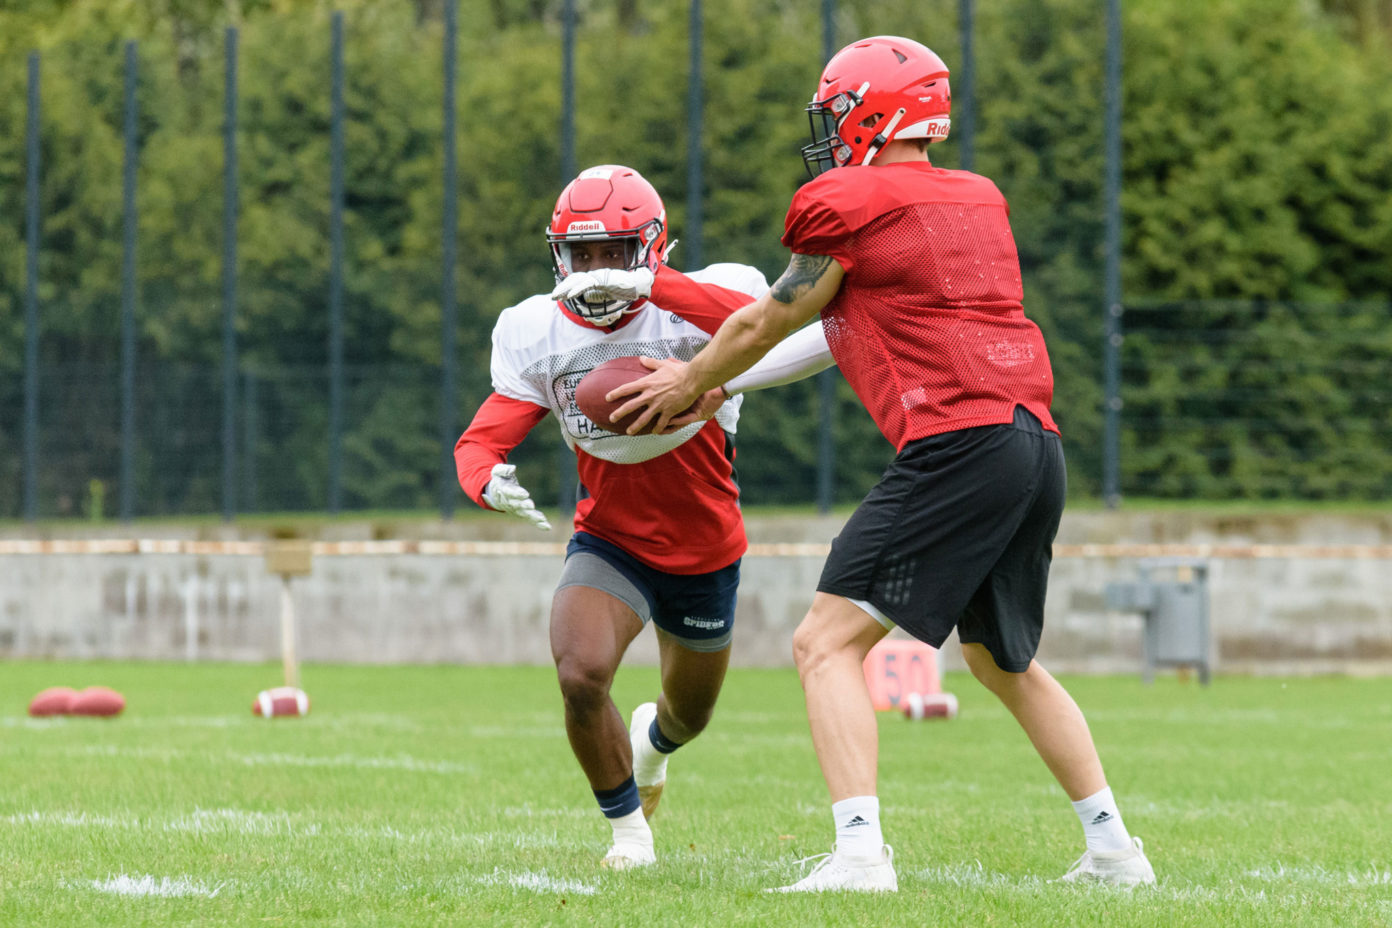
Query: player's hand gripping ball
{"type": "Point", "coordinates": [590, 392]}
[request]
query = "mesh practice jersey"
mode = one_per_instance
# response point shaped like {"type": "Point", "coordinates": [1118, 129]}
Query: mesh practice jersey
{"type": "Point", "coordinates": [928, 326]}
{"type": "Point", "coordinates": [669, 500]}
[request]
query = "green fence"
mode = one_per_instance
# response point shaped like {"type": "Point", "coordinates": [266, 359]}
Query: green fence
{"type": "Point", "coordinates": [336, 390]}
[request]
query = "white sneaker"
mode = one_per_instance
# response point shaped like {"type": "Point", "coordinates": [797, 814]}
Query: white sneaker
{"type": "Point", "coordinates": [649, 764]}
{"type": "Point", "coordinates": [841, 872]}
{"type": "Point", "coordinates": [628, 857]}
{"type": "Point", "coordinates": [1127, 867]}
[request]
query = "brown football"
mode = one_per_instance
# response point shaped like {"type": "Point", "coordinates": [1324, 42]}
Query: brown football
{"type": "Point", "coordinates": [281, 701]}
{"type": "Point", "coordinates": [589, 393]}
{"type": "Point", "coordinates": [98, 700]}
{"type": "Point", "coordinates": [56, 700]}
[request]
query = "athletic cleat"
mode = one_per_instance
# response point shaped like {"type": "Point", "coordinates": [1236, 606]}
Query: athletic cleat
{"type": "Point", "coordinates": [628, 857]}
{"type": "Point", "coordinates": [839, 872]}
{"type": "Point", "coordinates": [649, 796]}
{"type": "Point", "coordinates": [649, 764]}
{"type": "Point", "coordinates": [1126, 868]}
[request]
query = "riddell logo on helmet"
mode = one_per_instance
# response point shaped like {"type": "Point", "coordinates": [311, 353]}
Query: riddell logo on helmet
{"type": "Point", "coordinates": [586, 225]}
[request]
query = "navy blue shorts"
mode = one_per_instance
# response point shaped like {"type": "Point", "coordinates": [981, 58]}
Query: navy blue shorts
{"type": "Point", "coordinates": [696, 609]}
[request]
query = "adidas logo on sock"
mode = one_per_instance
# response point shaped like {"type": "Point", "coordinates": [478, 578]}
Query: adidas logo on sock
{"type": "Point", "coordinates": [1102, 817]}
{"type": "Point", "coordinates": [856, 821]}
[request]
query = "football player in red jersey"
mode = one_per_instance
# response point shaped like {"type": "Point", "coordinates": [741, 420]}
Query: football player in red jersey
{"type": "Point", "coordinates": [915, 274]}
{"type": "Point", "coordinates": [658, 532]}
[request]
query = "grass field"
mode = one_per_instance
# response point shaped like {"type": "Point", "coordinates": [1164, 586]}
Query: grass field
{"type": "Point", "coordinates": [448, 796]}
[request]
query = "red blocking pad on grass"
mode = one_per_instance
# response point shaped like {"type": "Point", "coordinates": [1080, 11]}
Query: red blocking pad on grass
{"type": "Point", "coordinates": [894, 668]}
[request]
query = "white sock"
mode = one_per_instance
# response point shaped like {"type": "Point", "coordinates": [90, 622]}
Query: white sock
{"type": "Point", "coordinates": [649, 764]}
{"type": "Point", "coordinates": [632, 829]}
{"type": "Point", "coordinates": [1102, 826]}
{"type": "Point", "coordinates": [858, 826]}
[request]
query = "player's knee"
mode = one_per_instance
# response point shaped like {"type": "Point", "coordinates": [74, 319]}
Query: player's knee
{"type": "Point", "coordinates": [984, 667]}
{"type": "Point", "coordinates": [584, 685]}
{"type": "Point", "coordinates": [688, 721]}
{"type": "Point", "coordinates": [811, 648]}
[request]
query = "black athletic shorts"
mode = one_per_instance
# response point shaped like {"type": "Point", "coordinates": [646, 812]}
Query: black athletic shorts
{"type": "Point", "coordinates": [959, 532]}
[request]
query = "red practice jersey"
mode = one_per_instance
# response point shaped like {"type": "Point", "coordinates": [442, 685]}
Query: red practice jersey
{"type": "Point", "coordinates": [668, 500]}
{"type": "Point", "coordinates": [928, 326]}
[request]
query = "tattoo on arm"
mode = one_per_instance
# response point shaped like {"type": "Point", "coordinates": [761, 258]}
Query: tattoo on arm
{"type": "Point", "coordinates": [801, 276]}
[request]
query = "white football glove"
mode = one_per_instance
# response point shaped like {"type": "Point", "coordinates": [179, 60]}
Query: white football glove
{"type": "Point", "coordinates": [606, 283]}
{"type": "Point", "coordinates": [505, 494]}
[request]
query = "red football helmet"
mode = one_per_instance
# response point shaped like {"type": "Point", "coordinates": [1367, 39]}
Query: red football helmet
{"type": "Point", "coordinates": [613, 204]}
{"type": "Point", "coordinates": [873, 91]}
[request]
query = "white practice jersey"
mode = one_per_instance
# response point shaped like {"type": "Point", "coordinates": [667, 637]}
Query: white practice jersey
{"type": "Point", "coordinates": [540, 355]}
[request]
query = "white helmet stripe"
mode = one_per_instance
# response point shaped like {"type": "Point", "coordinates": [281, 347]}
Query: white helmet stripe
{"type": "Point", "coordinates": [935, 128]}
{"type": "Point", "coordinates": [887, 133]}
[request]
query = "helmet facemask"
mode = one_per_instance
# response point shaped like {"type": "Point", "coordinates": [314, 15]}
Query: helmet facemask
{"type": "Point", "coordinates": [637, 251]}
{"type": "Point", "coordinates": [827, 150]}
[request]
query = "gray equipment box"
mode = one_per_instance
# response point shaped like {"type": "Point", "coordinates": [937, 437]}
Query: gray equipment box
{"type": "Point", "coordinates": [1172, 597]}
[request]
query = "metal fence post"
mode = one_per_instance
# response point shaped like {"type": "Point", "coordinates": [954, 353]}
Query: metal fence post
{"type": "Point", "coordinates": [565, 461]}
{"type": "Point", "coordinates": [229, 280]}
{"type": "Point", "coordinates": [128, 290]}
{"type": "Point", "coordinates": [964, 95]}
{"type": "Point", "coordinates": [251, 441]}
{"type": "Point", "coordinates": [448, 349]}
{"type": "Point", "coordinates": [826, 380]}
{"type": "Point", "coordinates": [336, 270]}
{"type": "Point", "coordinates": [31, 295]}
{"type": "Point", "coordinates": [694, 130]}
{"type": "Point", "coordinates": [1111, 350]}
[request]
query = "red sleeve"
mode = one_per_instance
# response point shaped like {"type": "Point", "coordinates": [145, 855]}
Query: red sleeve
{"type": "Point", "coordinates": [815, 226]}
{"type": "Point", "coordinates": [499, 426]}
{"type": "Point", "coordinates": [703, 305]}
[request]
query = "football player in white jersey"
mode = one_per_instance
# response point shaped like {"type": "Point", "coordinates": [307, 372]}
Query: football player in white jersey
{"type": "Point", "coordinates": [658, 532]}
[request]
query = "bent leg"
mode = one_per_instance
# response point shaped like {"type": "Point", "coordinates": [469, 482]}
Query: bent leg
{"type": "Point", "coordinates": [691, 682]}
{"type": "Point", "coordinates": [1049, 716]}
{"type": "Point", "coordinates": [590, 631]}
{"type": "Point", "coordinates": [829, 648]}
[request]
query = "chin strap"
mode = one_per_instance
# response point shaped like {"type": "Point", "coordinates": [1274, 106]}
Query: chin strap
{"type": "Point", "coordinates": [881, 139]}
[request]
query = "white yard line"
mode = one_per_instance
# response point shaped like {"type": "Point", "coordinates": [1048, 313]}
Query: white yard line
{"type": "Point", "coordinates": [283, 824]}
{"type": "Point", "coordinates": [220, 821]}
{"type": "Point", "coordinates": [36, 724]}
{"type": "Point", "coordinates": [146, 885]}
{"type": "Point", "coordinates": [200, 821]}
{"type": "Point", "coordinates": [540, 882]}
{"type": "Point", "coordinates": [355, 761]}
{"type": "Point", "coordinates": [71, 820]}
{"type": "Point", "coordinates": [977, 876]}
{"type": "Point", "coordinates": [397, 762]}
{"type": "Point", "coordinates": [1279, 873]}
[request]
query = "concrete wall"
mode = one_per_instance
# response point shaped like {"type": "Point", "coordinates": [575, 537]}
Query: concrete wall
{"type": "Point", "coordinates": [1277, 614]}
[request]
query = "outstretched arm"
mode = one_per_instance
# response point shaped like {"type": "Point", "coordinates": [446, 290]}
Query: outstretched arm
{"type": "Point", "coordinates": [805, 287]}
{"type": "Point", "coordinates": [795, 358]}
{"type": "Point", "coordinates": [480, 456]}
